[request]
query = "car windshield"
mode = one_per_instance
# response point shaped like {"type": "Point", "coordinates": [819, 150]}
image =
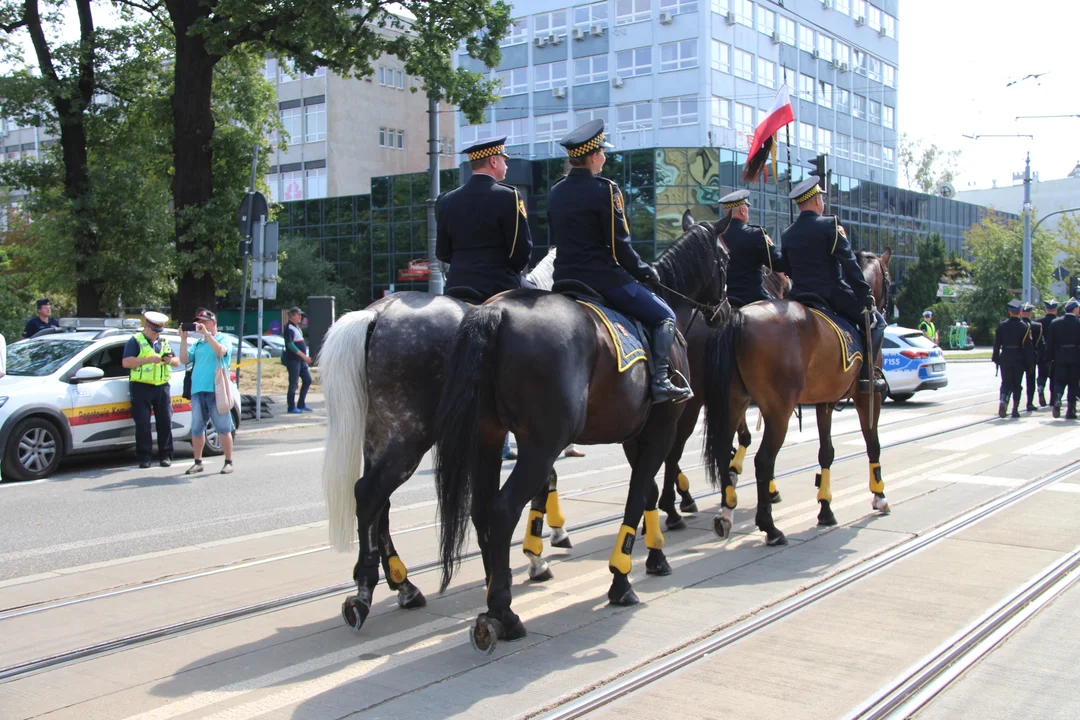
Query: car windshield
{"type": "Point", "coordinates": [38, 358]}
{"type": "Point", "coordinates": [917, 339]}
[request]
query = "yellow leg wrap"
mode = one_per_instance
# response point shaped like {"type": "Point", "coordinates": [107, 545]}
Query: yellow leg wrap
{"type": "Point", "coordinates": [772, 486]}
{"type": "Point", "coordinates": [533, 529]}
{"type": "Point", "coordinates": [877, 485]}
{"type": "Point", "coordinates": [731, 498]}
{"type": "Point", "coordinates": [654, 539]}
{"type": "Point", "coordinates": [825, 487]}
{"type": "Point", "coordinates": [555, 518]}
{"type": "Point", "coordinates": [398, 573]}
{"type": "Point", "coordinates": [737, 461]}
{"type": "Point", "coordinates": [620, 556]}
{"type": "Point", "coordinates": [684, 482]}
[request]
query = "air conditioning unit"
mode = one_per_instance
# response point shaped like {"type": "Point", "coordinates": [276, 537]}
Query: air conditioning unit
{"type": "Point", "coordinates": [881, 31]}
{"type": "Point", "coordinates": [616, 82]}
{"type": "Point", "coordinates": [826, 4]}
{"type": "Point", "coordinates": [555, 39]}
{"type": "Point", "coordinates": [834, 64]}
{"type": "Point", "coordinates": [776, 38]}
{"type": "Point", "coordinates": [666, 18]}
{"type": "Point", "coordinates": [578, 34]}
{"type": "Point", "coordinates": [815, 53]}
{"type": "Point", "coordinates": [844, 67]}
{"type": "Point", "coordinates": [730, 19]}
{"type": "Point", "coordinates": [860, 21]}
{"type": "Point", "coordinates": [540, 42]}
{"type": "Point", "coordinates": [596, 30]}
{"type": "Point", "coordinates": [559, 92]}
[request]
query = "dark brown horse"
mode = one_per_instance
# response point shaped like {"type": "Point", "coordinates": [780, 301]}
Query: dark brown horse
{"type": "Point", "coordinates": [545, 367]}
{"type": "Point", "coordinates": [779, 353]}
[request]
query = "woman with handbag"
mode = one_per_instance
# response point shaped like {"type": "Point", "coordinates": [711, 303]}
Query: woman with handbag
{"type": "Point", "coordinates": [211, 397]}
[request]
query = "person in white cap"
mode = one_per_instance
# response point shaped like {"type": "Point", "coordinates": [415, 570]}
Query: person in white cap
{"type": "Point", "coordinates": [150, 359]}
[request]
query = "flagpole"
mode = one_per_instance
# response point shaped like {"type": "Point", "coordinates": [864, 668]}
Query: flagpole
{"type": "Point", "coordinates": [787, 142]}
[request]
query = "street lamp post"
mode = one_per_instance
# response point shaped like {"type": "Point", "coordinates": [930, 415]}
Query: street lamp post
{"type": "Point", "coordinates": [1027, 229]}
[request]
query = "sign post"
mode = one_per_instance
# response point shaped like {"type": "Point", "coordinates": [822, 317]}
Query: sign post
{"type": "Point", "coordinates": [253, 205]}
{"type": "Point", "coordinates": [263, 287]}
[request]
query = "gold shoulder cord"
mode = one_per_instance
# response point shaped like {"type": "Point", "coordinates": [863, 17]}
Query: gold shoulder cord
{"type": "Point", "coordinates": [836, 237]}
{"type": "Point", "coordinates": [517, 221]}
{"type": "Point", "coordinates": [768, 244]}
{"type": "Point", "coordinates": [611, 192]}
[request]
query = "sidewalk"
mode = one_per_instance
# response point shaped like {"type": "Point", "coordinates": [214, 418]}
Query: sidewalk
{"type": "Point", "coordinates": [280, 420]}
{"type": "Point", "coordinates": [978, 353]}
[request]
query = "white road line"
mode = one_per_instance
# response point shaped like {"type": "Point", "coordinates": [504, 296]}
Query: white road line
{"type": "Point", "coordinates": [1057, 445]}
{"type": "Point", "coordinates": [973, 440]}
{"type": "Point", "coordinates": [296, 452]}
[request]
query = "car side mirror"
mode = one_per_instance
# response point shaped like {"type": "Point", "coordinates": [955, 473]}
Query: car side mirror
{"type": "Point", "coordinates": [87, 374]}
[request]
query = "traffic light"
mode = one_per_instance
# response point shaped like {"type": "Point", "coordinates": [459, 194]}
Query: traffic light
{"type": "Point", "coordinates": [820, 167]}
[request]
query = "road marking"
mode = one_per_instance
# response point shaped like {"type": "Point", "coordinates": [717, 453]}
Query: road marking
{"type": "Point", "coordinates": [910, 433]}
{"type": "Point", "coordinates": [296, 452]}
{"type": "Point", "coordinates": [977, 480]}
{"type": "Point", "coordinates": [973, 440]}
{"type": "Point", "coordinates": [1057, 445]}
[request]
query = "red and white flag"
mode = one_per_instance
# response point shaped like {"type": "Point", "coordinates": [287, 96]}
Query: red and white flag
{"type": "Point", "coordinates": [764, 140]}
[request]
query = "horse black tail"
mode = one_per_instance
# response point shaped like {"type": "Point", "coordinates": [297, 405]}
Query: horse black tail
{"type": "Point", "coordinates": [457, 429]}
{"type": "Point", "coordinates": [721, 366]}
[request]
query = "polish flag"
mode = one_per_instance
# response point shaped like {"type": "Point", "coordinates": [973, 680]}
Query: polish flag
{"type": "Point", "coordinates": [764, 137]}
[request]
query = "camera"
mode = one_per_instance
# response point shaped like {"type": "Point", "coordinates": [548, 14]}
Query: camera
{"type": "Point", "coordinates": [187, 327]}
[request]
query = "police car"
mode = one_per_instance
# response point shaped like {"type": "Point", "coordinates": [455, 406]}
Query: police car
{"type": "Point", "coordinates": [66, 393]}
{"type": "Point", "coordinates": [911, 363]}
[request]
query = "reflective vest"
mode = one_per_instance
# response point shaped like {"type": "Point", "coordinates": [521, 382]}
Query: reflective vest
{"type": "Point", "coordinates": [928, 329]}
{"type": "Point", "coordinates": [151, 373]}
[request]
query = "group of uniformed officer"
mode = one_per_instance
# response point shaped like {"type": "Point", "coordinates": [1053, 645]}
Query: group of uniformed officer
{"type": "Point", "coordinates": [1049, 345]}
{"type": "Point", "coordinates": [484, 234]}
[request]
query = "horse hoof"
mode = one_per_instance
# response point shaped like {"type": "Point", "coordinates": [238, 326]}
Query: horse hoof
{"type": "Point", "coordinates": [825, 517]}
{"type": "Point", "coordinates": [775, 498]}
{"type": "Point", "coordinates": [560, 539]}
{"type": "Point", "coordinates": [410, 597]}
{"type": "Point", "coordinates": [485, 634]}
{"type": "Point", "coordinates": [688, 506]}
{"type": "Point", "coordinates": [776, 541]}
{"type": "Point", "coordinates": [722, 527]}
{"type": "Point", "coordinates": [541, 573]}
{"type": "Point", "coordinates": [658, 566]}
{"type": "Point", "coordinates": [675, 523]}
{"type": "Point", "coordinates": [627, 599]}
{"type": "Point", "coordinates": [355, 612]}
{"type": "Point", "coordinates": [881, 504]}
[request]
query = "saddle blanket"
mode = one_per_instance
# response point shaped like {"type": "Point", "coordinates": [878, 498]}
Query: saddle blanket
{"type": "Point", "coordinates": [625, 334]}
{"type": "Point", "coordinates": [850, 339]}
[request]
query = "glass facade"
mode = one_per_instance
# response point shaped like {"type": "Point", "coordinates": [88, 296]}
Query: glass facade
{"type": "Point", "coordinates": [371, 238]}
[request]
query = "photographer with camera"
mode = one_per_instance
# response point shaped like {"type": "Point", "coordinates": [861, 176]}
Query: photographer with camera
{"type": "Point", "coordinates": [150, 359]}
{"type": "Point", "coordinates": [209, 371]}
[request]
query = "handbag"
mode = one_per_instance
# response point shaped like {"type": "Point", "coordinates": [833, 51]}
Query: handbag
{"type": "Point", "coordinates": [186, 392]}
{"type": "Point", "coordinates": [222, 393]}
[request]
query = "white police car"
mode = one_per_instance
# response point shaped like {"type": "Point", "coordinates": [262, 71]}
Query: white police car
{"type": "Point", "coordinates": [911, 363]}
{"type": "Point", "coordinates": [66, 393]}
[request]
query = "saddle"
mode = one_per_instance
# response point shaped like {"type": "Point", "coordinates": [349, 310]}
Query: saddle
{"type": "Point", "coordinates": [851, 338]}
{"type": "Point", "coordinates": [466, 294]}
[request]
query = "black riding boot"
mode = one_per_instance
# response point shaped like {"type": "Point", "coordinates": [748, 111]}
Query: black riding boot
{"type": "Point", "coordinates": [877, 336]}
{"type": "Point", "coordinates": [1055, 400]}
{"type": "Point", "coordinates": [663, 335]}
{"type": "Point", "coordinates": [1003, 404]}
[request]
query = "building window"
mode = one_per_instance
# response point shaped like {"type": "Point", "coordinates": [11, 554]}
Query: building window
{"type": "Point", "coordinates": [806, 136]}
{"type": "Point", "coordinates": [273, 181]}
{"type": "Point", "coordinates": [721, 6]}
{"type": "Point", "coordinates": [293, 124]}
{"type": "Point", "coordinates": [286, 70]}
{"type": "Point", "coordinates": [292, 186]}
{"type": "Point", "coordinates": [824, 140]}
{"type": "Point", "coordinates": [858, 61]}
{"type": "Point", "coordinates": [858, 9]}
{"type": "Point", "coordinates": [786, 27]}
{"type": "Point", "coordinates": [874, 18]}
{"type": "Point", "coordinates": [721, 56]}
{"type": "Point", "coordinates": [319, 72]}
{"type": "Point", "coordinates": [552, 127]}
{"type": "Point", "coordinates": [875, 112]}
{"type": "Point", "coordinates": [744, 118]}
{"type": "Point", "coordinates": [634, 116]}
{"type": "Point", "coordinates": [514, 82]}
{"type": "Point", "coordinates": [874, 156]}
{"type": "Point", "coordinates": [471, 134]}
{"type": "Point", "coordinates": [825, 47]}
{"type": "Point", "coordinates": [806, 88]}
{"type": "Point", "coordinates": [889, 22]}
{"type": "Point", "coordinates": [583, 116]}
{"type": "Point", "coordinates": [392, 138]}
{"type": "Point", "coordinates": [678, 55]}
{"type": "Point", "coordinates": [766, 20]}
{"type": "Point", "coordinates": [316, 183]}
{"type": "Point", "coordinates": [840, 147]}
{"type": "Point", "coordinates": [888, 158]}
{"type": "Point", "coordinates": [766, 72]}
{"type": "Point", "coordinates": [888, 119]}
{"type": "Point", "coordinates": [843, 53]}
{"type": "Point", "coordinates": [269, 71]}
{"type": "Point", "coordinates": [806, 38]}
{"type": "Point", "coordinates": [631, 63]}
{"type": "Point", "coordinates": [858, 108]}
{"type": "Point", "coordinates": [744, 12]}
{"type": "Point", "coordinates": [632, 11]}
{"type": "Point", "coordinates": [873, 67]}
{"type": "Point", "coordinates": [552, 23]}
{"type": "Point", "coordinates": [590, 69]}
{"type": "Point", "coordinates": [315, 122]}
{"type": "Point", "coordinates": [676, 7]}
{"type": "Point", "coordinates": [843, 100]}
{"type": "Point", "coordinates": [858, 150]}
{"type": "Point", "coordinates": [516, 131]}
{"type": "Point", "coordinates": [550, 75]}
{"type": "Point", "coordinates": [843, 6]}
{"type": "Point", "coordinates": [519, 33]}
{"type": "Point", "coordinates": [585, 16]}
{"type": "Point", "coordinates": [721, 112]}
{"type": "Point", "coordinates": [890, 75]}
{"type": "Point", "coordinates": [825, 94]}
{"type": "Point", "coordinates": [744, 65]}
{"type": "Point", "coordinates": [679, 111]}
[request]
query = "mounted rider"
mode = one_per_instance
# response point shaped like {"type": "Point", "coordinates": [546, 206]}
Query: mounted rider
{"type": "Point", "coordinates": [483, 229]}
{"type": "Point", "coordinates": [588, 226]}
{"type": "Point", "coordinates": [751, 251]}
{"type": "Point", "coordinates": [820, 261]}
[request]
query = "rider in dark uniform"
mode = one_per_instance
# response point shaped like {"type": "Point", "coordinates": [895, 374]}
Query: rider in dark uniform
{"type": "Point", "coordinates": [1012, 341]}
{"type": "Point", "coordinates": [751, 250]}
{"type": "Point", "coordinates": [1032, 357]}
{"type": "Point", "coordinates": [820, 262]}
{"type": "Point", "coordinates": [483, 229]}
{"type": "Point", "coordinates": [588, 226]}
{"type": "Point", "coordinates": [1064, 340]}
{"type": "Point", "coordinates": [1043, 356]}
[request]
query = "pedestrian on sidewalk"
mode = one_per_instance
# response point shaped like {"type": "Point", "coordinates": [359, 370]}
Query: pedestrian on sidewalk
{"type": "Point", "coordinates": [150, 360]}
{"type": "Point", "coordinates": [210, 354]}
{"type": "Point", "coordinates": [296, 361]}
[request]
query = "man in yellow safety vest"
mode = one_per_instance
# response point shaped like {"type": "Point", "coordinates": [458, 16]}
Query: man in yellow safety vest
{"type": "Point", "coordinates": [150, 359]}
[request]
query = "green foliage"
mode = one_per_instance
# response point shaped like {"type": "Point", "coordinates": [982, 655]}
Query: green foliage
{"type": "Point", "coordinates": [1068, 236]}
{"type": "Point", "coordinates": [925, 166]}
{"type": "Point", "coordinates": [920, 286]}
{"type": "Point", "coordinates": [303, 273]}
{"type": "Point", "coordinates": [957, 270]}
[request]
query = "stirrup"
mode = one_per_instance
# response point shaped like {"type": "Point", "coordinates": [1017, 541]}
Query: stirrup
{"type": "Point", "coordinates": [665, 391]}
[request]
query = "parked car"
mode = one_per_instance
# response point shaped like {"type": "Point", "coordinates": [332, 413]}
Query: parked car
{"type": "Point", "coordinates": [67, 394]}
{"type": "Point", "coordinates": [248, 351]}
{"type": "Point", "coordinates": [912, 363]}
{"type": "Point", "coordinates": [275, 344]}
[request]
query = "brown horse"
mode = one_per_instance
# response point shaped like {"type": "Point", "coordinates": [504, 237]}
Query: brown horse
{"type": "Point", "coordinates": [780, 353]}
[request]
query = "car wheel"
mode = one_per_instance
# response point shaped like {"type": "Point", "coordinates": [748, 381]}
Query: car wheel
{"type": "Point", "coordinates": [902, 397]}
{"type": "Point", "coordinates": [33, 451]}
{"type": "Point", "coordinates": [213, 441]}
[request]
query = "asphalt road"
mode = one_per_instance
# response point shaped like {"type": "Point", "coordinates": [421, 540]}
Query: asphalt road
{"type": "Point", "coordinates": [103, 508]}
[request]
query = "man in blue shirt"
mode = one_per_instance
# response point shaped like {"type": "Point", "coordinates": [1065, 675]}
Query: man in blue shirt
{"type": "Point", "coordinates": [296, 360]}
{"type": "Point", "coordinates": [210, 354]}
{"type": "Point", "coordinates": [42, 321]}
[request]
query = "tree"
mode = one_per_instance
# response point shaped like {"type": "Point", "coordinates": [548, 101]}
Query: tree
{"type": "Point", "coordinates": [920, 286]}
{"type": "Point", "coordinates": [345, 36]}
{"type": "Point", "coordinates": [1068, 236]}
{"type": "Point", "coordinates": [926, 166]}
{"type": "Point", "coordinates": [957, 270]}
{"type": "Point", "coordinates": [303, 274]}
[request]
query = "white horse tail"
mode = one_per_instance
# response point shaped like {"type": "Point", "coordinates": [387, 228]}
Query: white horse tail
{"type": "Point", "coordinates": [343, 371]}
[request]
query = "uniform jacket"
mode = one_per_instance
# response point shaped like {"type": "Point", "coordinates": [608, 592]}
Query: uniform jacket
{"type": "Point", "coordinates": [1064, 340]}
{"type": "Point", "coordinates": [752, 253]}
{"type": "Point", "coordinates": [587, 216]}
{"type": "Point", "coordinates": [484, 236]}
{"type": "Point", "coordinates": [1043, 350]}
{"type": "Point", "coordinates": [1012, 342]}
{"type": "Point", "coordinates": [820, 261]}
{"type": "Point", "coordinates": [1037, 342]}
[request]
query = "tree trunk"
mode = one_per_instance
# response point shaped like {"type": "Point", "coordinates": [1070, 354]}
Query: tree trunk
{"type": "Point", "coordinates": [193, 120]}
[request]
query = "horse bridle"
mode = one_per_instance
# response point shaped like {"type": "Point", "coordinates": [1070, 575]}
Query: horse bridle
{"type": "Point", "coordinates": [709, 312]}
